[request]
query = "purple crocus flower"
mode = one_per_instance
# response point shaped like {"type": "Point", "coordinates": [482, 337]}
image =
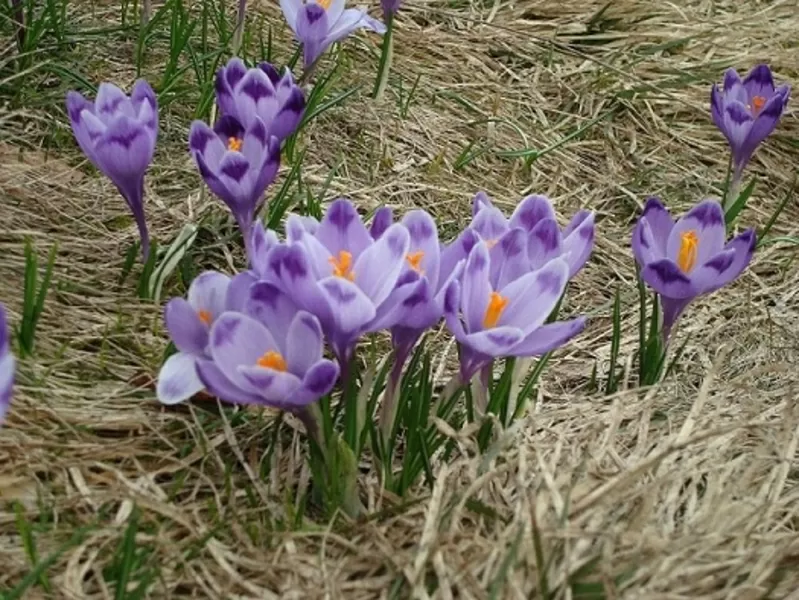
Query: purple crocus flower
{"type": "Point", "coordinates": [506, 319]}
{"type": "Point", "coordinates": [260, 92]}
{"type": "Point", "coordinates": [545, 239]}
{"type": "Point", "coordinates": [747, 111]}
{"type": "Point", "coordinates": [237, 164]}
{"type": "Point", "coordinates": [189, 322]}
{"type": "Point", "coordinates": [7, 366]}
{"type": "Point", "coordinates": [340, 274]}
{"type": "Point", "coordinates": [118, 135]}
{"type": "Point", "coordinates": [270, 356]}
{"type": "Point", "coordinates": [689, 258]}
{"type": "Point", "coordinates": [318, 25]}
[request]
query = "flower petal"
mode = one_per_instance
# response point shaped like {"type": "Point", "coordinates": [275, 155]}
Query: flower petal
{"type": "Point", "coordinates": [549, 337]}
{"type": "Point", "coordinates": [424, 238]}
{"type": "Point", "coordinates": [290, 268]}
{"type": "Point", "coordinates": [112, 103]}
{"type": "Point", "coordinates": [545, 242]}
{"type": "Point", "coordinates": [382, 220]}
{"type": "Point", "coordinates": [318, 382]}
{"type": "Point", "coordinates": [125, 150]}
{"type": "Point", "coordinates": [489, 224]}
{"type": "Point", "coordinates": [220, 386]}
{"type": "Point", "coordinates": [274, 309]}
{"type": "Point", "coordinates": [178, 379]}
{"type": "Point", "coordinates": [351, 309]}
{"type": "Point", "coordinates": [660, 222]}
{"type": "Point", "coordinates": [496, 342]}
{"type": "Point", "coordinates": [666, 279]}
{"type": "Point", "coordinates": [531, 210]}
{"type": "Point", "coordinates": [276, 387]}
{"type": "Point", "coordinates": [479, 202]}
{"type": "Point", "coordinates": [342, 229]}
{"type": "Point", "coordinates": [208, 293]}
{"type": "Point", "coordinates": [579, 241]}
{"type": "Point", "coordinates": [509, 259]}
{"type": "Point", "coordinates": [476, 290]}
{"type": "Point", "coordinates": [238, 340]}
{"type": "Point", "coordinates": [378, 268]}
{"type": "Point", "coordinates": [706, 219]}
{"type": "Point", "coordinates": [532, 298]}
{"type": "Point", "coordinates": [728, 264]}
{"type": "Point", "coordinates": [303, 343]}
{"type": "Point", "coordinates": [312, 26]}
{"type": "Point", "coordinates": [187, 331]}
{"type": "Point", "coordinates": [290, 10]}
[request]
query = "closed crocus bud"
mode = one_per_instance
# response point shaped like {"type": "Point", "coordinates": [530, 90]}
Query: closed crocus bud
{"type": "Point", "coordinates": [7, 366]}
{"type": "Point", "coordinates": [117, 133]}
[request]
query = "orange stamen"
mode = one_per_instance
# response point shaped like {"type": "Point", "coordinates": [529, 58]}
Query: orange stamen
{"type": "Point", "coordinates": [324, 3]}
{"type": "Point", "coordinates": [415, 260]}
{"type": "Point", "coordinates": [234, 144]}
{"type": "Point", "coordinates": [273, 360]}
{"type": "Point", "coordinates": [758, 102]}
{"type": "Point", "coordinates": [205, 316]}
{"type": "Point", "coordinates": [342, 265]}
{"type": "Point", "coordinates": [689, 246]}
{"type": "Point", "coordinates": [491, 243]}
{"type": "Point", "coordinates": [496, 305]}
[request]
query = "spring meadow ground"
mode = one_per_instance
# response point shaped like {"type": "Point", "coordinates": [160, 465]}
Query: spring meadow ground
{"type": "Point", "coordinates": [686, 490]}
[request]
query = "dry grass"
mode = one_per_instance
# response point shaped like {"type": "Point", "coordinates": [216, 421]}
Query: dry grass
{"type": "Point", "coordinates": [687, 491]}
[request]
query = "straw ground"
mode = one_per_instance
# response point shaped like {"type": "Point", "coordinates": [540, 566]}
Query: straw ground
{"type": "Point", "coordinates": [684, 491]}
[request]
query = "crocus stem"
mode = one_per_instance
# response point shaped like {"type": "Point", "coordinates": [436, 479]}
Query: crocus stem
{"type": "Point", "coordinates": [480, 388]}
{"type": "Point", "coordinates": [306, 74]}
{"type": "Point", "coordinates": [386, 57]}
{"type": "Point", "coordinates": [388, 410]}
{"type": "Point", "coordinates": [725, 201]}
{"type": "Point", "coordinates": [239, 32]}
{"type": "Point", "coordinates": [310, 417]}
{"type": "Point", "coordinates": [245, 226]}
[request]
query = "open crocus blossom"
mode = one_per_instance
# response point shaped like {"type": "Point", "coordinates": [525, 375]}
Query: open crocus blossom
{"type": "Point", "coordinates": [261, 92]}
{"type": "Point", "coordinates": [686, 259]}
{"type": "Point", "coordinates": [318, 25]}
{"type": "Point", "coordinates": [7, 366]}
{"type": "Point", "coordinates": [747, 111]}
{"type": "Point", "coordinates": [270, 355]}
{"type": "Point", "coordinates": [117, 133]}
{"type": "Point", "coordinates": [339, 273]}
{"type": "Point", "coordinates": [189, 322]}
{"type": "Point", "coordinates": [237, 164]}
{"type": "Point", "coordinates": [545, 239]}
{"type": "Point", "coordinates": [506, 320]}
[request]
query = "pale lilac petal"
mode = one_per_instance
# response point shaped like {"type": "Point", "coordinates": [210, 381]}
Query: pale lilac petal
{"type": "Point", "coordinates": [490, 224]}
{"type": "Point", "coordinates": [112, 103]}
{"type": "Point", "coordinates": [256, 98]}
{"type": "Point", "coordinates": [532, 298]}
{"type": "Point", "coordinates": [312, 26]}
{"type": "Point", "coordinates": [238, 292]}
{"type": "Point", "coordinates": [476, 289]}
{"type": "Point", "coordinates": [274, 310]}
{"type": "Point", "coordinates": [731, 79]}
{"type": "Point", "coordinates": [532, 210]}
{"type": "Point", "coordinates": [145, 105]}
{"type": "Point", "coordinates": [290, 10]}
{"type": "Point", "coordinates": [382, 220]}
{"type": "Point", "coordinates": [318, 382]}
{"type": "Point", "coordinates": [723, 268]}
{"type": "Point", "coordinates": [479, 202]}
{"type": "Point", "coordinates": [220, 386]}
{"type": "Point", "coordinates": [178, 379]}
{"type": "Point", "coordinates": [205, 142]}
{"type": "Point", "coordinates": [660, 222]}
{"type": "Point", "coordinates": [645, 248]}
{"type": "Point", "coordinates": [276, 387]}
{"type": "Point", "coordinates": [509, 258]}
{"type": "Point", "coordinates": [188, 332]}
{"type": "Point", "coordinates": [208, 293]}
{"type": "Point", "coordinates": [545, 243]}
{"type": "Point", "coordinates": [319, 257]}
{"type": "Point", "coordinates": [377, 269]}
{"type": "Point", "coordinates": [303, 343]}
{"type": "Point", "coordinates": [289, 267]}
{"type": "Point", "coordinates": [424, 238]}
{"type": "Point", "coordinates": [125, 150]}
{"type": "Point", "coordinates": [666, 279]}
{"type": "Point", "coordinates": [706, 219]}
{"type": "Point", "coordinates": [549, 337]}
{"type": "Point", "coordinates": [351, 309]}
{"type": "Point", "coordinates": [237, 340]}
{"type": "Point", "coordinates": [342, 229]}
{"type": "Point", "coordinates": [759, 82]}
{"type": "Point", "coordinates": [578, 242]}
{"type": "Point", "coordinates": [496, 342]}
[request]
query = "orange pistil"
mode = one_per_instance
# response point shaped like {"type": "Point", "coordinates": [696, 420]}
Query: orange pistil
{"type": "Point", "coordinates": [205, 316]}
{"type": "Point", "coordinates": [342, 265]}
{"type": "Point", "coordinates": [415, 261]}
{"type": "Point", "coordinates": [273, 360]}
{"type": "Point", "coordinates": [491, 243]}
{"type": "Point", "coordinates": [234, 144]}
{"type": "Point", "coordinates": [496, 305]}
{"type": "Point", "coordinates": [689, 246]}
{"type": "Point", "coordinates": [324, 3]}
{"type": "Point", "coordinates": [758, 102]}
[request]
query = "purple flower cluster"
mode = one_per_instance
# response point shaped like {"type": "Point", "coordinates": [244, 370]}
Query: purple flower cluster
{"type": "Point", "coordinates": [259, 337]}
